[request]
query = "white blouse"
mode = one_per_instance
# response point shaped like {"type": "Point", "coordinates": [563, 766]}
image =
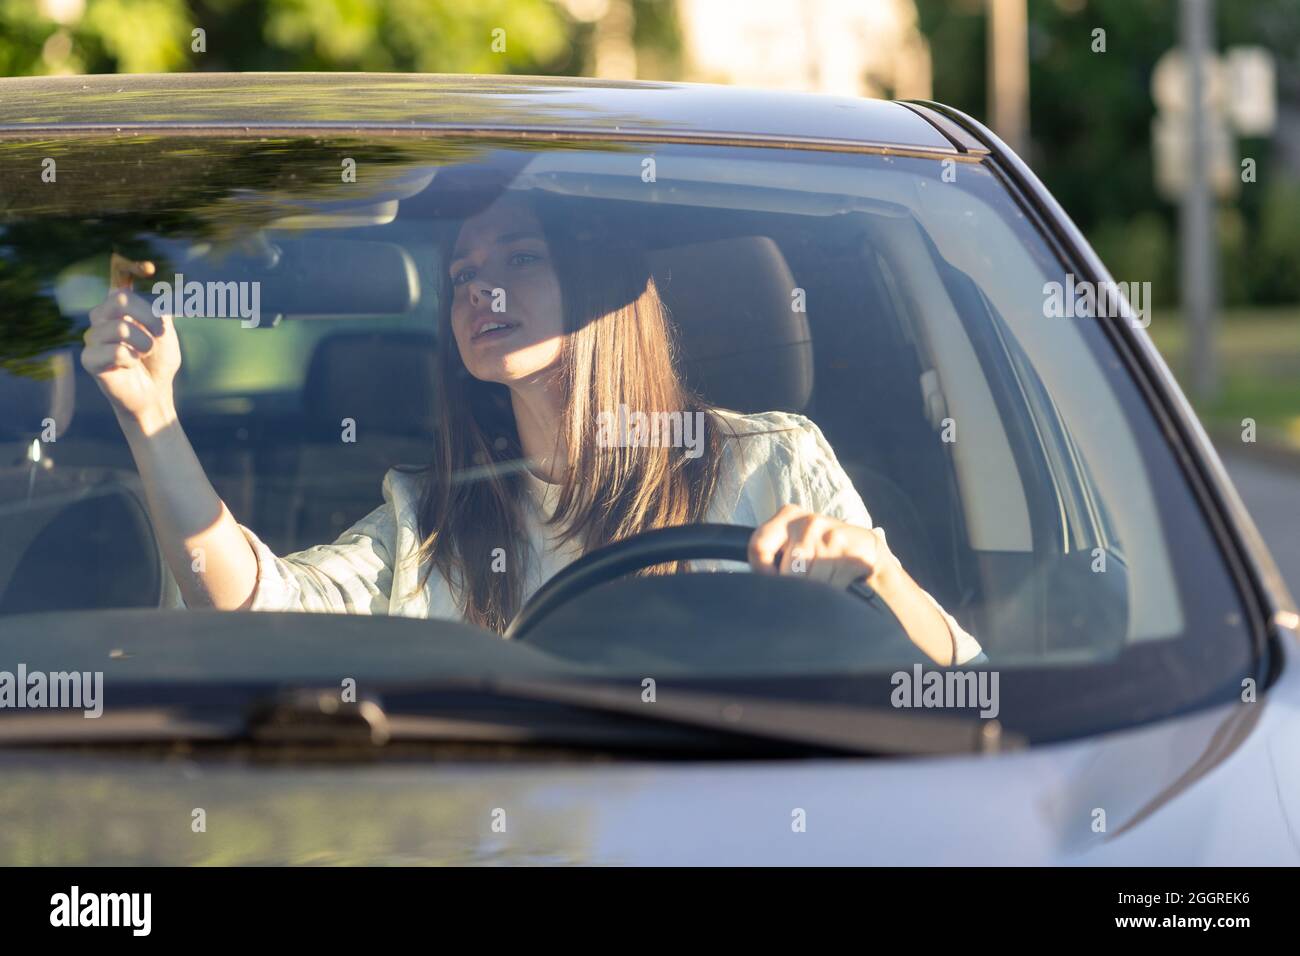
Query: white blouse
{"type": "Point", "coordinates": [372, 568]}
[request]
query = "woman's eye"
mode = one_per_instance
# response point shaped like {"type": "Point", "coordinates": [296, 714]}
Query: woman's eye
{"type": "Point", "coordinates": [523, 258]}
{"type": "Point", "coordinates": [461, 277]}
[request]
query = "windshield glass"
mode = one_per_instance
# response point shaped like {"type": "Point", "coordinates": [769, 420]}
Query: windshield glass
{"type": "Point", "coordinates": [419, 377]}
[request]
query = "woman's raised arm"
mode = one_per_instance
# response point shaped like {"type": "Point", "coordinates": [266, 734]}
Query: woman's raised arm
{"type": "Point", "coordinates": [134, 355]}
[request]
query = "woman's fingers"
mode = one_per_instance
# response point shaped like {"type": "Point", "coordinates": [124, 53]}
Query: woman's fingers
{"type": "Point", "coordinates": [797, 541]}
{"type": "Point", "coordinates": [122, 330]}
{"type": "Point", "coordinates": [123, 271]}
{"type": "Point", "coordinates": [768, 541]}
{"type": "Point", "coordinates": [849, 552]}
{"type": "Point", "coordinates": [801, 551]}
{"type": "Point", "coordinates": [113, 344]}
{"type": "Point", "coordinates": [107, 355]}
{"type": "Point", "coordinates": [121, 304]}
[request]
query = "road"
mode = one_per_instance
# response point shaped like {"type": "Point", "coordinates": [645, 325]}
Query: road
{"type": "Point", "coordinates": [1272, 493]}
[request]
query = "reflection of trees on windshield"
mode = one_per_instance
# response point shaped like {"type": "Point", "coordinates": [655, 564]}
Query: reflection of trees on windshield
{"type": "Point", "coordinates": [375, 100]}
{"type": "Point", "coordinates": [291, 815]}
{"type": "Point", "coordinates": [113, 193]}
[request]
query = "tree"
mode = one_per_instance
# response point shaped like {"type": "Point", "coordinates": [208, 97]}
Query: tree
{"type": "Point", "coordinates": [145, 36]}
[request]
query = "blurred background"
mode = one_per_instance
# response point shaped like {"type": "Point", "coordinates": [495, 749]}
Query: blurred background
{"type": "Point", "coordinates": [1097, 95]}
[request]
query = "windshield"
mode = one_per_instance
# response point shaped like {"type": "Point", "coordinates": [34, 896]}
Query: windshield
{"type": "Point", "coordinates": [420, 377]}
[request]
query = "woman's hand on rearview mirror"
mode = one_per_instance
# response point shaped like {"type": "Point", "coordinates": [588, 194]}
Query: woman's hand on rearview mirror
{"type": "Point", "coordinates": [133, 354]}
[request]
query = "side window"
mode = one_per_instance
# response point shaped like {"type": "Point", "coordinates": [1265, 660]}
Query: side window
{"type": "Point", "coordinates": [959, 401]}
{"type": "Point", "coordinates": [1083, 515]}
{"type": "Point", "coordinates": [1037, 546]}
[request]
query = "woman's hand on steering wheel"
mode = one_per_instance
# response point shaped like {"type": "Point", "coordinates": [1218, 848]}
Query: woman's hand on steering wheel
{"type": "Point", "coordinates": [793, 541]}
{"type": "Point", "coordinates": [798, 541]}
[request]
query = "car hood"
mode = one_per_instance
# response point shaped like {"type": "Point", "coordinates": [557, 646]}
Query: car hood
{"type": "Point", "coordinates": [1221, 786]}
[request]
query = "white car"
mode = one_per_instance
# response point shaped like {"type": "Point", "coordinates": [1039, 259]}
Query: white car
{"type": "Point", "coordinates": [888, 271]}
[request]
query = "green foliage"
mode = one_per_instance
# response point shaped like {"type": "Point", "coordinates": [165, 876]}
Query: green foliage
{"type": "Point", "coordinates": [426, 36]}
{"type": "Point", "coordinates": [1258, 353]}
{"type": "Point", "coordinates": [1234, 252]}
{"type": "Point", "coordinates": [146, 36]}
{"type": "Point", "coordinates": [1140, 250]}
{"type": "Point", "coordinates": [1275, 263]}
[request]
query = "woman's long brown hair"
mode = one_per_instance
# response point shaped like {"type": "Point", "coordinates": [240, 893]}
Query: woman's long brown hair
{"type": "Point", "coordinates": [618, 350]}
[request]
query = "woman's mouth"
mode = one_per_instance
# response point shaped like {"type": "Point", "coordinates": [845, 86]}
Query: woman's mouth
{"type": "Point", "coordinates": [493, 329]}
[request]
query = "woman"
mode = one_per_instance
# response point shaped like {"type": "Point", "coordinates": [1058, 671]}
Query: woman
{"type": "Point", "coordinates": [552, 329]}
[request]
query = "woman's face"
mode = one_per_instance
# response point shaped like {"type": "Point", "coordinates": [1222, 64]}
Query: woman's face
{"type": "Point", "coordinates": [505, 309]}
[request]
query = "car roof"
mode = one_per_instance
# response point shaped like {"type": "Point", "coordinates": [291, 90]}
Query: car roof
{"type": "Point", "coordinates": [406, 101]}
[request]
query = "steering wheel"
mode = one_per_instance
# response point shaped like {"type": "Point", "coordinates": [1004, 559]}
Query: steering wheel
{"type": "Point", "coordinates": [688, 542]}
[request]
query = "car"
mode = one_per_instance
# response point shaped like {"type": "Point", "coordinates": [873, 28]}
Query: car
{"type": "Point", "coordinates": [886, 275]}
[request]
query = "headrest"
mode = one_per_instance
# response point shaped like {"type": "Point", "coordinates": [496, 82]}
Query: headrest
{"type": "Point", "coordinates": [382, 380]}
{"type": "Point", "coordinates": [741, 342]}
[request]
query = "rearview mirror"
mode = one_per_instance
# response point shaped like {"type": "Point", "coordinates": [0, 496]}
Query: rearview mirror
{"type": "Point", "coordinates": [292, 278]}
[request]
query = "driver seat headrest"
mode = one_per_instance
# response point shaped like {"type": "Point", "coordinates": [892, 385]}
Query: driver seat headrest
{"type": "Point", "coordinates": [741, 343]}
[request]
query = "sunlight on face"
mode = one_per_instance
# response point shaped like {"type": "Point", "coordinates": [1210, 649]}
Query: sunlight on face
{"type": "Point", "coordinates": [505, 311]}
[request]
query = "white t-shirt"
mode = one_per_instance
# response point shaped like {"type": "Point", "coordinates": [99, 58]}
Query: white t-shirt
{"type": "Point", "coordinates": [372, 568]}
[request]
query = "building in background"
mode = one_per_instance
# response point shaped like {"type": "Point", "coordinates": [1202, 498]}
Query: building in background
{"type": "Point", "coordinates": [846, 47]}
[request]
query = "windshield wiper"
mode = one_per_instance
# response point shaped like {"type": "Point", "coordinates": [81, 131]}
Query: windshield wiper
{"type": "Point", "coordinates": [804, 726]}
{"type": "Point", "coordinates": [532, 712]}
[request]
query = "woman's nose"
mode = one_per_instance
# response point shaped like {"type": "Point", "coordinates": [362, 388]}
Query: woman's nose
{"type": "Point", "coordinates": [480, 292]}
